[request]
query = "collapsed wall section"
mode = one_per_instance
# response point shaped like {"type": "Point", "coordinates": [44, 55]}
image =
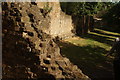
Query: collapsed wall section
{"type": "Point", "coordinates": [28, 52]}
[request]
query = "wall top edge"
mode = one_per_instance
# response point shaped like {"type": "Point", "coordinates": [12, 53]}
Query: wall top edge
{"type": "Point", "coordinates": [59, 0]}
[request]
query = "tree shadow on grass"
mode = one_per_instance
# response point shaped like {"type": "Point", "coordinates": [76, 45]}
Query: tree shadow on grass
{"type": "Point", "coordinates": [110, 28]}
{"type": "Point", "coordinates": [98, 38]}
{"type": "Point", "coordinates": [89, 59]}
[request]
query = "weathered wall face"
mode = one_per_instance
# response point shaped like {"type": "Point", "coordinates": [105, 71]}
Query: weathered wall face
{"type": "Point", "coordinates": [60, 24]}
{"type": "Point", "coordinates": [28, 52]}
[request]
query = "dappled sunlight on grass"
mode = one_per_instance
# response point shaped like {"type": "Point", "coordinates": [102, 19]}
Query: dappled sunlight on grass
{"type": "Point", "coordinates": [86, 57]}
{"type": "Point", "coordinates": [84, 42]}
{"type": "Point", "coordinates": [108, 32]}
{"type": "Point", "coordinates": [102, 37]}
{"type": "Point", "coordinates": [105, 36]}
{"type": "Point", "coordinates": [88, 52]}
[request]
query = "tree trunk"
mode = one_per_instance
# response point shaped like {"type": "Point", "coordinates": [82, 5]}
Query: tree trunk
{"type": "Point", "coordinates": [83, 24]}
{"type": "Point", "coordinates": [91, 28]}
{"type": "Point", "coordinates": [86, 25]}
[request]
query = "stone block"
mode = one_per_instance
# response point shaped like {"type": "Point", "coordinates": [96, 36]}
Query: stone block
{"type": "Point", "coordinates": [25, 19]}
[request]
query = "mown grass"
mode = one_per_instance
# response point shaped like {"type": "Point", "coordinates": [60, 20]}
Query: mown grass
{"type": "Point", "coordinates": [89, 52]}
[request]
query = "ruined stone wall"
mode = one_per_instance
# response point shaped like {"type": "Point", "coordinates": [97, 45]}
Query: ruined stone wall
{"type": "Point", "coordinates": [28, 52]}
{"type": "Point", "coordinates": [66, 26]}
{"type": "Point", "coordinates": [61, 23]}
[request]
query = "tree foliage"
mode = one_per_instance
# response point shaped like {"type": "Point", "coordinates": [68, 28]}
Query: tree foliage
{"type": "Point", "coordinates": [85, 11]}
{"type": "Point", "coordinates": [113, 17]}
{"type": "Point", "coordinates": [84, 8]}
{"type": "Point", "coordinates": [113, 14]}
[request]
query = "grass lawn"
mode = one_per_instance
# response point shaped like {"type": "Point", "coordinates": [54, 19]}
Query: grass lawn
{"type": "Point", "coordinates": [88, 53]}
